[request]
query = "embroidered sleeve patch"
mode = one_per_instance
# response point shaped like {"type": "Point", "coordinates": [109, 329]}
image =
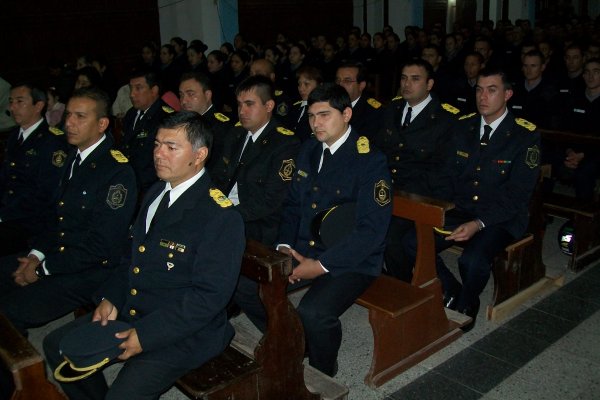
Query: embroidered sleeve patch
{"type": "Point", "coordinates": [362, 145]}
{"type": "Point", "coordinates": [116, 196]}
{"type": "Point", "coordinates": [287, 170]}
{"type": "Point", "coordinates": [382, 193]}
{"type": "Point", "coordinates": [58, 158]}
{"type": "Point", "coordinates": [532, 159]}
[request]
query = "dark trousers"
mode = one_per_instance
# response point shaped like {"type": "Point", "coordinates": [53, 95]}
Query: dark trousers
{"type": "Point", "coordinates": [49, 298]}
{"type": "Point", "coordinates": [474, 264]}
{"type": "Point", "coordinates": [319, 310]}
{"type": "Point", "coordinates": [145, 376]}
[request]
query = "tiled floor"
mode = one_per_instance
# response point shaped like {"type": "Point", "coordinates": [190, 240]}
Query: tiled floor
{"type": "Point", "coordinates": [549, 349]}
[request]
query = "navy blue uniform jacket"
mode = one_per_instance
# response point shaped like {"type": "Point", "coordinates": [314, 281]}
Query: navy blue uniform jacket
{"type": "Point", "coordinates": [178, 278]}
{"type": "Point", "coordinates": [495, 184]}
{"type": "Point", "coordinates": [348, 177]}
{"type": "Point", "coordinates": [416, 153]}
{"type": "Point", "coordinates": [30, 174]}
{"type": "Point", "coordinates": [263, 177]}
{"type": "Point", "coordinates": [89, 224]}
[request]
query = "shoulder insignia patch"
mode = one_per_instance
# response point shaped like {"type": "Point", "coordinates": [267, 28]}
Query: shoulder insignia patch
{"type": "Point", "coordinates": [278, 92]}
{"type": "Point", "coordinates": [238, 123]}
{"type": "Point", "coordinates": [382, 193]}
{"type": "Point", "coordinates": [532, 159]}
{"type": "Point", "coordinates": [220, 198]}
{"type": "Point", "coordinates": [525, 124]}
{"type": "Point", "coordinates": [58, 158]}
{"type": "Point", "coordinates": [298, 102]}
{"type": "Point", "coordinates": [397, 98]}
{"type": "Point", "coordinates": [467, 116]}
{"type": "Point", "coordinates": [168, 109]}
{"type": "Point", "coordinates": [287, 170]}
{"type": "Point", "coordinates": [56, 131]}
{"type": "Point", "coordinates": [362, 145]}
{"type": "Point", "coordinates": [221, 117]}
{"type": "Point", "coordinates": [117, 155]}
{"type": "Point", "coordinates": [462, 153]}
{"type": "Point", "coordinates": [374, 103]}
{"type": "Point", "coordinates": [116, 196]}
{"type": "Point", "coordinates": [284, 131]}
{"type": "Point", "coordinates": [450, 108]}
{"type": "Point", "coordinates": [283, 109]}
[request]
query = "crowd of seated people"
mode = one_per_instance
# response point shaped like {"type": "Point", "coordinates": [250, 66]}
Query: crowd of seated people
{"type": "Point", "coordinates": [409, 105]}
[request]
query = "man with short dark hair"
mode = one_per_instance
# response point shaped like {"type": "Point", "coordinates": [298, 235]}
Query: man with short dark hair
{"type": "Point", "coordinates": [257, 163]}
{"type": "Point", "coordinates": [196, 94]}
{"type": "Point", "coordinates": [462, 92]}
{"type": "Point", "coordinates": [366, 115]}
{"type": "Point", "coordinates": [334, 168]}
{"type": "Point", "coordinates": [31, 169]}
{"type": "Point", "coordinates": [492, 168]}
{"type": "Point", "coordinates": [414, 136]}
{"type": "Point", "coordinates": [140, 125]}
{"type": "Point", "coordinates": [174, 283]}
{"type": "Point", "coordinates": [86, 229]}
{"type": "Point", "coordinates": [283, 103]}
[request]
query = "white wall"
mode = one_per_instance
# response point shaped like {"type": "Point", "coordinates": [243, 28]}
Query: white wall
{"type": "Point", "coordinates": [374, 15]}
{"type": "Point", "coordinates": [190, 19]}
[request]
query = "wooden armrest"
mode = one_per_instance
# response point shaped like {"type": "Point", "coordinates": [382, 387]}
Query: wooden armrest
{"type": "Point", "coordinates": [15, 351]}
{"type": "Point", "coordinates": [260, 262]}
{"type": "Point", "coordinates": [422, 209]}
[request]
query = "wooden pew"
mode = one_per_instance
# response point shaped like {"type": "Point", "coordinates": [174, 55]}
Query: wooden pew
{"type": "Point", "coordinates": [409, 321]}
{"type": "Point", "coordinates": [585, 215]}
{"type": "Point", "coordinates": [276, 371]}
{"type": "Point", "coordinates": [25, 365]}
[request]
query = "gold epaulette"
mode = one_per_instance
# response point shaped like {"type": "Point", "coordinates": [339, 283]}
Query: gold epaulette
{"type": "Point", "coordinates": [467, 116]}
{"type": "Point", "coordinates": [284, 131]}
{"type": "Point", "coordinates": [362, 145]}
{"type": "Point", "coordinates": [220, 198]}
{"type": "Point", "coordinates": [374, 103]}
{"type": "Point", "coordinates": [117, 155]}
{"type": "Point", "coordinates": [221, 117]}
{"type": "Point", "coordinates": [56, 131]}
{"type": "Point", "coordinates": [168, 109]}
{"type": "Point", "coordinates": [525, 124]}
{"type": "Point", "coordinates": [450, 108]}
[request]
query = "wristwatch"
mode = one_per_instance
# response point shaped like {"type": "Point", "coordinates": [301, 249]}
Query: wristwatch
{"type": "Point", "coordinates": [39, 271]}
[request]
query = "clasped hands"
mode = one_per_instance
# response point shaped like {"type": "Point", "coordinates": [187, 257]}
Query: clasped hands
{"type": "Point", "coordinates": [464, 232]}
{"type": "Point", "coordinates": [25, 273]}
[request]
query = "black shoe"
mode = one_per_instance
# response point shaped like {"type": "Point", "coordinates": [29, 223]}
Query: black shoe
{"type": "Point", "coordinates": [472, 312]}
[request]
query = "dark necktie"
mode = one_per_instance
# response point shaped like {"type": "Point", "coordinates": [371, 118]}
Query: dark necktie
{"type": "Point", "coordinates": [138, 118]}
{"type": "Point", "coordinates": [247, 147]}
{"type": "Point", "coordinates": [407, 118]}
{"type": "Point", "coordinates": [162, 207]}
{"type": "Point", "coordinates": [20, 139]}
{"type": "Point", "coordinates": [245, 151]}
{"type": "Point", "coordinates": [486, 135]}
{"type": "Point", "coordinates": [326, 158]}
{"type": "Point", "coordinates": [75, 165]}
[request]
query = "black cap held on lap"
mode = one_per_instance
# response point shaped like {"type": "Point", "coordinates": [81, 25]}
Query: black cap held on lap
{"type": "Point", "coordinates": [333, 224]}
{"type": "Point", "coordinates": [88, 348]}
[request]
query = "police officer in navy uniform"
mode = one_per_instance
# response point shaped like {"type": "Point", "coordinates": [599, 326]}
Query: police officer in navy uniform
{"type": "Point", "coordinates": [257, 163]}
{"type": "Point", "coordinates": [492, 170]}
{"type": "Point", "coordinates": [196, 94]}
{"type": "Point", "coordinates": [176, 280]}
{"type": "Point", "coordinates": [366, 111]}
{"type": "Point", "coordinates": [87, 229]}
{"type": "Point", "coordinates": [283, 102]}
{"type": "Point", "coordinates": [33, 162]}
{"type": "Point", "coordinates": [335, 167]}
{"type": "Point", "coordinates": [415, 135]}
{"type": "Point", "coordinates": [140, 125]}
